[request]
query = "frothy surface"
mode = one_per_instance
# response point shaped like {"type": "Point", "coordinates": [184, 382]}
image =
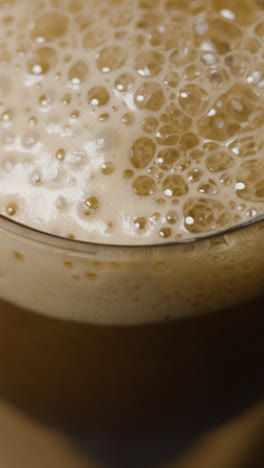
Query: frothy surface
{"type": "Point", "coordinates": [131, 121]}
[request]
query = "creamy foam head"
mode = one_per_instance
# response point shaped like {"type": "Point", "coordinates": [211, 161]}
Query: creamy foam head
{"type": "Point", "coordinates": [131, 121]}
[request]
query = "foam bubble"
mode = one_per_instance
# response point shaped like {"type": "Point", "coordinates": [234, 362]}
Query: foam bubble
{"type": "Point", "coordinates": [149, 96]}
{"type": "Point", "coordinates": [142, 153]}
{"type": "Point", "coordinates": [50, 27]}
{"type": "Point", "coordinates": [98, 96]}
{"type": "Point", "coordinates": [111, 58]}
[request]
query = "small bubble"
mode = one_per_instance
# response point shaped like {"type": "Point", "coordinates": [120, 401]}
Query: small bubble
{"type": "Point", "coordinates": [203, 215]}
{"type": "Point", "coordinates": [196, 154]}
{"type": "Point", "coordinates": [171, 79]}
{"type": "Point", "coordinates": [209, 187]}
{"type": "Point", "coordinates": [179, 118]}
{"type": "Point", "coordinates": [250, 181]}
{"type": "Point", "coordinates": [124, 82]}
{"type": "Point", "coordinates": [194, 175]}
{"type": "Point", "coordinates": [165, 233]}
{"type": "Point", "coordinates": [11, 209]}
{"type": "Point", "coordinates": [217, 76]}
{"type": "Point", "coordinates": [174, 186]}
{"type": "Point", "coordinates": [252, 212]}
{"type": "Point", "coordinates": [140, 223]}
{"type": "Point", "coordinates": [150, 124]}
{"type": "Point", "coordinates": [149, 63]}
{"type": "Point", "coordinates": [242, 207]}
{"type": "Point", "coordinates": [128, 119]}
{"type": "Point", "coordinates": [66, 99]}
{"type": "Point", "coordinates": [226, 179]}
{"type": "Point", "coordinates": [32, 121]}
{"type": "Point", "coordinates": [36, 178]}
{"type": "Point", "coordinates": [128, 174]}
{"type": "Point", "coordinates": [168, 134]}
{"type": "Point", "coordinates": [183, 56]}
{"type": "Point", "coordinates": [75, 114]}
{"type": "Point", "coordinates": [111, 58]}
{"type": "Point", "coordinates": [246, 146]}
{"type": "Point", "coordinates": [44, 101]}
{"type": "Point", "coordinates": [164, 118]}
{"type": "Point", "coordinates": [7, 116]}
{"type": "Point", "coordinates": [67, 129]}
{"type": "Point", "coordinates": [167, 157]}
{"type": "Point", "coordinates": [191, 72]}
{"type": "Point", "coordinates": [104, 117]}
{"type": "Point", "coordinates": [144, 186]}
{"type": "Point", "coordinates": [219, 161]}
{"type": "Point", "coordinates": [42, 60]}
{"type": "Point", "coordinates": [142, 152]}
{"type": "Point", "coordinates": [98, 96]}
{"type": "Point", "coordinates": [188, 141]}
{"type": "Point", "coordinates": [92, 203]}
{"type": "Point", "coordinates": [175, 202]}
{"type": "Point", "coordinates": [160, 201]}
{"type": "Point", "coordinates": [155, 216]}
{"type": "Point", "coordinates": [152, 170]}
{"type": "Point", "coordinates": [50, 26]}
{"type": "Point", "coordinates": [149, 96]}
{"type": "Point", "coordinates": [193, 99]}
{"type": "Point", "coordinates": [60, 155]}
{"type": "Point", "coordinates": [108, 168]}
{"type": "Point", "coordinates": [78, 73]}
{"type": "Point", "coordinates": [172, 217]}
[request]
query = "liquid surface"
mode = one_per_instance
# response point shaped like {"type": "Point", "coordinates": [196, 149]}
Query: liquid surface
{"type": "Point", "coordinates": [131, 121]}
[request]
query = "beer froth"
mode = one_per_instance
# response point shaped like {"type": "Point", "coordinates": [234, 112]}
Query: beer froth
{"type": "Point", "coordinates": [131, 122]}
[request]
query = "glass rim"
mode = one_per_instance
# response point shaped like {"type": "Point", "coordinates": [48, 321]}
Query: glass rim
{"type": "Point", "coordinates": [46, 239]}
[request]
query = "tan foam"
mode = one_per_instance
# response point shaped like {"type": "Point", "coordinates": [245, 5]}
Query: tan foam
{"type": "Point", "coordinates": [111, 112]}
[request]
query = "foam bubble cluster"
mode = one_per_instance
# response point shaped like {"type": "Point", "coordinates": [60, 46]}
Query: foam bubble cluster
{"type": "Point", "coordinates": [131, 121]}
